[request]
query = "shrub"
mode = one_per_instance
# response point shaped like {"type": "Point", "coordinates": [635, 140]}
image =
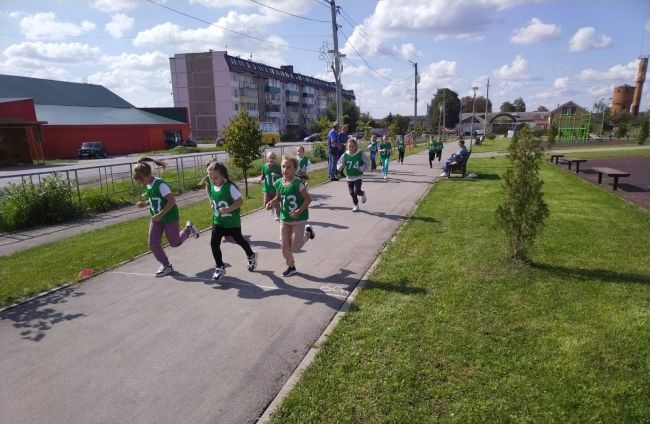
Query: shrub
{"type": "Point", "coordinates": [642, 135]}
{"type": "Point", "coordinates": [102, 202]}
{"type": "Point", "coordinates": [318, 151]}
{"type": "Point", "coordinates": [522, 213]}
{"type": "Point", "coordinates": [25, 205]}
{"type": "Point", "coordinates": [552, 133]}
{"type": "Point", "coordinates": [491, 136]}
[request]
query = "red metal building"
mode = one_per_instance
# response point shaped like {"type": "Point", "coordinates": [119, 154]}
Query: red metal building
{"type": "Point", "coordinates": [62, 115]}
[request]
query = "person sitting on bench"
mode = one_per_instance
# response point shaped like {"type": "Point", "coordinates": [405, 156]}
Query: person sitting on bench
{"type": "Point", "coordinates": [456, 158]}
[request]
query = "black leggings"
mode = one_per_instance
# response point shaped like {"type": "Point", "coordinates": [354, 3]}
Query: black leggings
{"type": "Point", "coordinates": [355, 190]}
{"type": "Point", "coordinates": [400, 158]}
{"type": "Point", "coordinates": [432, 156]}
{"type": "Point", "coordinates": [215, 242]}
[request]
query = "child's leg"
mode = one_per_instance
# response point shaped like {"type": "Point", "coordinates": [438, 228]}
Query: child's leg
{"type": "Point", "coordinates": [215, 244]}
{"type": "Point", "coordinates": [298, 237]}
{"type": "Point", "coordinates": [174, 237]}
{"type": "Point", "coordinates": [385, 166]}
{"type": "Point", "coordinates": [286, 232]}
{"type": "Point", "coordinates": [156, 230]}
{"type": "Point", "coordinates": [267, 198]}
{"type": "Point", "coordinates": [432, 155]}
{"type": "Point", "coordinates": [236, 234]}
{"type": "Point", "coordinates": [353, 194]}
{"type": "Point", "coordinates": [357, 188]}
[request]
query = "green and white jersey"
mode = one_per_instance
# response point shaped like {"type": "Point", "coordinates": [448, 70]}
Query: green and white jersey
{"type": "Point", "coordinates": [156, 192]}
{"type": "Point", "coordinates": [267, 171]}
{"type": "Point", "coordinates": [401, 145]}
{"type": "Point", "coordinates": [303, 166]}
{"type": "Point", "coordinates": [372, 147]}
{"type": "Point", "coordinates": [431, 146]}
{"type": "Point", "coordinates": [290, 200]}
{"type": "Point", "coordinates": [353, 164]}
{"type": "Point", "coordinates": [223, 197]}
{"type": "Point", "coordinates": [387, 150]}
{"type": "Point", "coordinates": [439, 145]}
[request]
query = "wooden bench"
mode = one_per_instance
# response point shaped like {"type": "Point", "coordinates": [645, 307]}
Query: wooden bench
{"type": "Point", "coordinates": [459, 167]}
{"type": "Point", "coordinates": [556, 157]}
{"type": "Point", "coordinates": [576, 161]}
{"type": "Point", "coordinates": [610, 172]}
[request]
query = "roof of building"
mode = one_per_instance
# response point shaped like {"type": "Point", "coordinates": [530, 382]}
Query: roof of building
{"type": "Point", "coordinates": [521, 116]}
{"type": "Point", "coordinates": [81, 115]}
{"type": "Point", "coordinates": [567, 104]}
{"type": "Point", "coordinates": [50, 92]}
{"type": "Point", "coordinates": [238, 64]}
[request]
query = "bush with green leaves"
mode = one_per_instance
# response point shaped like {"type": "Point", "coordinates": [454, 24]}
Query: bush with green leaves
{"type": "Point", "coordinates": [25, 205]}
{"type": "Point", "coordinates": [551, 134]}
{"type": "Point", "coordinates": [644, 128]}
{"type": "Point", "coordinates": [318, 151]}
{"type": "Point", "coordinates": [491, 136]}
{"type": "Point", "coordinates": [523, 211]}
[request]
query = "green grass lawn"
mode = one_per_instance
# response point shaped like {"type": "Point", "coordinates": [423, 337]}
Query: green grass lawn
{"type": "Point", "coordinates": [447, 330]}
{"type": "Point", "coordinates": [499, 144]}
{"type": "Point", "coordinates": [609, 154]}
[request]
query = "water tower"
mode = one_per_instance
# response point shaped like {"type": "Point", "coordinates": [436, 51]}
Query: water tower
{"type": "Point", "coordinates": [638, 89]}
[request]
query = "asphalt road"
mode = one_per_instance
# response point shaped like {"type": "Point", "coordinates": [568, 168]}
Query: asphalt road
{"type": "Point", "coordinates": [92, 171]}
{"type": "Point", "coordinates": [126, 347]}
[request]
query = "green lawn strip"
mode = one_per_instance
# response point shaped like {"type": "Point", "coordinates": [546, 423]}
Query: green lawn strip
{"type": "Point", "coordinates": [499, 144]}
{"type": "Point", "coordinates": [609, 154]}
{"type": "Point", "coordinates": [447, 330]}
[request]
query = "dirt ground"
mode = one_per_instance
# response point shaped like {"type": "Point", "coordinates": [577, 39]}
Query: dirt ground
{"type": "Point", "coordinates": [635, 188]}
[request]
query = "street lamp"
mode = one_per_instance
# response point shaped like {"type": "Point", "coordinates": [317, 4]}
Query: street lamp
{"type": "Point", "coordinates": [471, 127]}
{"type": "Point", "coordinates": [442, 111]}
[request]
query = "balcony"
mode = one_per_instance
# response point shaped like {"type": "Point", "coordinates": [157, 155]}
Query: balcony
{"type": "Point", "coordinates": [271, 89]}
{"type": "Point", "coordinates": [272, 107]}
{"type": "Point", "coordinates": [309, 95]}
{"type": "Point", "coordinates": [292, 93]}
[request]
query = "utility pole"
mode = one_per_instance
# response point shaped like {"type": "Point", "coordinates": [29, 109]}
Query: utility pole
{"type": "Point", "coordinates": [415, 97]}
{"type": "Point", "coordinates": [444, 113]}
{"type": "Point", "coordinates": [487, 101]}
{"type": "Point", "coordinates": [337, 65]}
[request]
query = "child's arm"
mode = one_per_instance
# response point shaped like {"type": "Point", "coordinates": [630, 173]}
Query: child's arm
{"type": "Point", "coordinates": [274, 202]}
{"type": "Point", "coordinates": [236, 205]}
{"type": "Point", "coordinates": [171, 201]}
{"type": "Point", "coordinates": [340, 164]}
{"type": "Point", "coordinates": [364, 162]}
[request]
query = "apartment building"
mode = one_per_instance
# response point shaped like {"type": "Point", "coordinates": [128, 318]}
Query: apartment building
{"type": "Point", "coordinates": [214, 85]}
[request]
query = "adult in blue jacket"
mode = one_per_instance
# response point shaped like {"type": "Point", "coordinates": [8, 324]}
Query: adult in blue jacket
{"type": "Point", "coordinates": [333, 150]}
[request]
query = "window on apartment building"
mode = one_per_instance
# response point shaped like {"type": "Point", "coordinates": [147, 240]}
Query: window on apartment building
{"type": "Point", "coordinates": [236, 107]}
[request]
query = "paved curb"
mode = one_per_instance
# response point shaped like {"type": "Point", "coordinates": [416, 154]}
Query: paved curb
{"type": "Point", "coordinates": [309, 358]}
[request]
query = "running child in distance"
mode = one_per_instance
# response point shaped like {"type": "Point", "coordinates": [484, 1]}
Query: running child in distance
{"type": "Point", "coordinates": [164, 214]}
{"type": "Point", "coordinates": [354, 161]}
{"type": "Point", "coordinates": [294, 200]}
{"type": "Point", "coordinates": [304, 165]}
{"type": "Point", "coordinates": [372, 148]}
{"type": "Point", "coordinates": [385, 150]}
{"type": "Point", "coordinates": [270, 172]}
{"type": "Point", "coordinates": [226, 201]}
{"type": "Point", "coordinates": [401, 149]}
{"type": "Point", "coordinates": [435, 150]}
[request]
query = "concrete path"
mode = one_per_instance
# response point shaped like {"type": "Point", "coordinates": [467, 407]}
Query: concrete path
{"type": "Point", "coordinates": [126, 347]}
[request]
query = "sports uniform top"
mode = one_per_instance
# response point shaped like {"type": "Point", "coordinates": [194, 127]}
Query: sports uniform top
{"type": "Point", "coordinates": [223, 197]}
{"type": "Point", "coordinates": [156, 192]}
{"type": "Point", "coordinates": [354, 165]}
{"type": "Point", "coordinates": [291, 199]}
{"type": "Point", "coordinates": [388, 148]}
{"type": "Point", "coordinates": [267, 171]}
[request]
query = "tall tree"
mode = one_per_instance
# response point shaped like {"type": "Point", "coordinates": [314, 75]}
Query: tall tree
{"type": "Point", "coordinates": [452, 108]}
{"type": "Point", "coordinates": [243, 142]}
{"type": "Point", "coordinates": [519, 104]}
{"type": "Point", "coordinates": [351, 113]}
{"type": "Point", "coordinates": [402, 123]}
{"type": "Point", "coordinates": [507, 107]}
{"type": "Point", "coordinates": [542, 109]}
{"type": "Point", "coordinates": [479, 104]}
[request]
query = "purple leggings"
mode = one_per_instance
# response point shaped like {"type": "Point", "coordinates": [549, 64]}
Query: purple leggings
{"type": "Point", "coordinates": [175, 239]}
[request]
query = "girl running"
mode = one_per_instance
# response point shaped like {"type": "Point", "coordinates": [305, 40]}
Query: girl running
{"type": "Point", "coordinates": [270, 172]}
{"type": "Point", "coordinates": [304, 165]}
{"type": "Point", "coordinates": [385, 150]}
{"type": "Point", "coordinates": [372, 148]}
{"type": "Point", "coordinates": [226, 201]}
{"type": "Point", "coordinates": [355, 162]}
{"type": "Point", "coordinates": [401, 149]}
{"type": "Point", "coordinates": [164, 214]}
{"type": "Point", "coordinates": [293, 199]}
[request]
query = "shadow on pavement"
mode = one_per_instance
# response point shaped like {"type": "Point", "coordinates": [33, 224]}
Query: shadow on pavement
{"type": "Point", "coordinates": [36, 317]}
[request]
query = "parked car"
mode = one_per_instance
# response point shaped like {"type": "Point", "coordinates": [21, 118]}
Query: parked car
{"type": "Point", "coordinates": [311, 138]}
{"type": "Point", "coordinates": [220, 141]}
{"type": "Point", "coordinates": [92, 149]}
{"type": "Point", "coordinates": [187, 143]}
{"type": "Point", "coordinates": [170, 143]}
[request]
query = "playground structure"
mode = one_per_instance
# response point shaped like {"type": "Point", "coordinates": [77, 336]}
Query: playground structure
{"type": "Point", "coordinates": [572, 127]}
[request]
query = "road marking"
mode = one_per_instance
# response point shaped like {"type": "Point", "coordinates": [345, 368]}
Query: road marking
{"type": "Point", "coordinates": [329, 291]}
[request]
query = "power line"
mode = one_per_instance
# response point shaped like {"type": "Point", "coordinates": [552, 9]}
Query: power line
{"type": "Point", "coordinates": [226, 29]}
{"type": "Point", "coordinates": [362, 58]}
{"type": "Point", "coordinates": [324, 4]}
{"type": "Point", "coordinates": [290, 14]}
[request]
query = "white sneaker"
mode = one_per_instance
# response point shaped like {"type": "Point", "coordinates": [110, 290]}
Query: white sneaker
{"type": "Point", "coordinates": [194, 230]}
{"type": "Point", "coordinates": [444, 174]}
{"type": "Point", "coordinates": [355, 208]}
{"type": "Point", "coordinates": [252, 262]}
{"type": "Point", "coordinates": [164, 270]}
{"type": "Point", "coordinates": [363, 197]}
{"type": "Point", "coordinates": [218, 272]}
{"type": "Point", "coordinates": [310, 230]}
{"type": "Point", "coordinates": [385, 176]}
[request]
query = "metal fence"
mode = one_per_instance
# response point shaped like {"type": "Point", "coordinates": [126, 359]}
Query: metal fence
{"type": "Point", "coordinates": [183, 173]}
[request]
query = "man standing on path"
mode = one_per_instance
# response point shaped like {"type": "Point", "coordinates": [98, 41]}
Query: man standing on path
{"type": "Point", "coordinates": [333, 150]}
{"type": "Point", "coordinates": [343, 141]}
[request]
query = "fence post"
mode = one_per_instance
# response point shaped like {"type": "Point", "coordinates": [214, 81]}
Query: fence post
{"type": "Point", "coordinates": [76, 179]}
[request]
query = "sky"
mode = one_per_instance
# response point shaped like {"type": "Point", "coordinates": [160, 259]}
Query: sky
{"type": "Point", "coordinates": [545, 51]}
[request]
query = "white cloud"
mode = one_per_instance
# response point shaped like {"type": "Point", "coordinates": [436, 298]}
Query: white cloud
{"type": "Point", "coordinates": [535, 32]}
{"type": "Point", "coordinates": [119, 24]}
{"type": "Point", "coordinates": [437, 74]}
{"type": "Point", "coordinates": [385, 72]}
{"type": "Point", "coordinates": [33, 68]}
{"type": "Point", "coordinates": [561, 83]}
{"type": "Point", "coordinates": [408, 51]}
{"type": "Point", "coordinates": [295, 6]}
{"type": "Point", "coordinates": [71, 53]}
{"type": "Point", "coordinates": [517, 70]}
{"type": "Point", "coordinates": [622, 73]}
{"type": "Point", "coordinates": [150, 60]}
{"type": "Point", "coordinates": [44, 25]}
{"type": "Point", "coordinates": [110, 6]}
{"type": "Point", "coordinates": [354, 71]}
{"type": "Point", "coordinates": [586, 38]}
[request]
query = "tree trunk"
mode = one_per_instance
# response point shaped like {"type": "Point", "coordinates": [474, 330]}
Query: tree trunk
{"type": "Point", "coordinates": [245, 172]}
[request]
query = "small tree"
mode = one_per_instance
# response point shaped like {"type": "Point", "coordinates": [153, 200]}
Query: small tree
{"type": "Point", "coordinates": [393, 129]}
{"type": "Point", "coordinates": [552, 133]}
{"type": "Point", "coordinates": [621, 130]}
{"type": "Point", "coordinates": [523, 211]}
{"type": "Point", "coordinates": [243, 142]}
{"type": "Point", "coordinates": [644, 128]}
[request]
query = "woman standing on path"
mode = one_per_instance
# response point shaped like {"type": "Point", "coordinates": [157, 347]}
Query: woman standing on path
{"type": "Point", "coordinates": [294, 200]}
{"type": "Point", "coordinates": [385, 150]}
{"type": "Point", "coordinates": [164, 214]}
